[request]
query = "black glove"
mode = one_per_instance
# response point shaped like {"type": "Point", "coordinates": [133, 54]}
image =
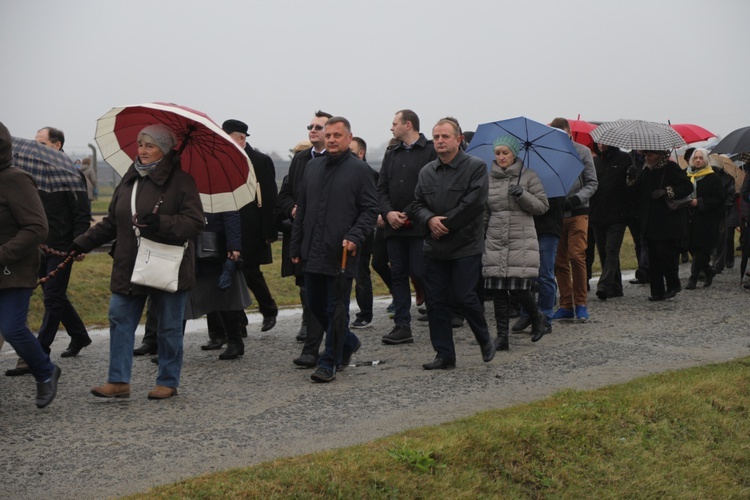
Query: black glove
{"type": "Point", "coordinates": [571, 203]}
{"type": "Point", "coordinates": [632, 172]}
{"type": "Point", "coordinates": [75, 250]}
{"type": "Point", "coordinates": [149, 223]}
{"type": "Point", "coordinates": [658, 193]}
{"type": "Point", "coordinates": [515, 190]}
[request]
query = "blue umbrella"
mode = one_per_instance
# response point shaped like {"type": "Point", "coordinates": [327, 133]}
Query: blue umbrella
{"type": "Point", "coordinates": [547, 151]}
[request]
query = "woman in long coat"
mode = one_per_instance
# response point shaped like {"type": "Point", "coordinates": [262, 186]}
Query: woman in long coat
{"type": "Point", "coordinates": [704, 215]}
{"type": "Point", "coordinates": [511, 259]}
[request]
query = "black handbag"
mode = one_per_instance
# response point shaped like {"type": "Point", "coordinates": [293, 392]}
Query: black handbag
{"type": "Point", "coordinates": [210, 246]}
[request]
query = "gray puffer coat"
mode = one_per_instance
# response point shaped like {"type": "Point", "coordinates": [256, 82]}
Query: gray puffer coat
{"type": "Point", "coordinates": [511, 246]}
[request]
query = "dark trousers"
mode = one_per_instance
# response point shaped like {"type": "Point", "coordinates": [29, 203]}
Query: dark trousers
{"type": "Point", "coordinates": [57, 307]}
{"type": "Point", "coordinates": [322, 298]}
{"type": "Point", "coordinates": [608, 242]}
{"type": "Point", "coordinates": [380, 258]}
{"type": "Point", "coordinates": [641, 248]}
{"type": "Point", "coordinates": [363, 283]}
{"type": "Point", "coordinates": [407, 259]}
{"type": "Point", "coordinates": [257, 284]}
{"type": "Point", "coordinates": [455, 278]}
{"type": "Point", "coordinates": [724, 251]}
{"type": "Point", "coordinates": [701, 262]}
{"type": "Point", "coordinates": [225, 325]}
{"type": "Point", "coordinates": [314, 328]}
{"type": "Point", "coordinates": [663, 258]}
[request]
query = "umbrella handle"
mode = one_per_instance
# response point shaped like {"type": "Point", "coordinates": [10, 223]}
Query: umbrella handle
{"type": "Point", "coordinates": [343, 259]}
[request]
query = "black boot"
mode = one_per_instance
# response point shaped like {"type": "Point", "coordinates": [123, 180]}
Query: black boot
{"type": "Point", "coordinates": [501, 304]}
{"type": "Point", "coordinates": [235, 345]}
{"type": "Point", "coordinates": [233, 351]}
{"type": "Point", "coordinates": [538, 320]}
{"type": "Point", "coordinates": [710, 273]}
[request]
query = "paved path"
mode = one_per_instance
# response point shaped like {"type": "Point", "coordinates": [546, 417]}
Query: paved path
{"type": "Point", "coordinates": [237, 413]}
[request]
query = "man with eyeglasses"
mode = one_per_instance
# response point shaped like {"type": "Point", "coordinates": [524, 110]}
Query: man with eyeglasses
{"type": "Point", "coordinates": [310, 332]}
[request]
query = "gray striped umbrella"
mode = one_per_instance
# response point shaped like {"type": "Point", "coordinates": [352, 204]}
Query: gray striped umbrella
{"type": "Point", "coordinates": [51, 169]}
{"type": "Point", "coordinates": [638, 134]}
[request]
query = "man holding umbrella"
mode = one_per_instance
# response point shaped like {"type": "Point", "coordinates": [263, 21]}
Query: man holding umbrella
{"type": "Point", "coordinates": [336, 210]}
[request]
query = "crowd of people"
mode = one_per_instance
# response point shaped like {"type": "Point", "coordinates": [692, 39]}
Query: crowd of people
{"type": "Point", "coordinates": [433, 218]}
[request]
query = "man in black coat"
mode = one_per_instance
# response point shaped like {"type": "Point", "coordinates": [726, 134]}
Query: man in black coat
{"type": "Point", "coordinates": [336, 210]}
{"type": "Point", "coordinates": [258, 224]}
{"type": "Point", "coordinates": [310, 332]}
{"type": "Point", "coordinates": [405, 237]}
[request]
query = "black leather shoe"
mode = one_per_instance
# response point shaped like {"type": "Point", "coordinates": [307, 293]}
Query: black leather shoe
{"type": "Point", "coordinates": [501, 344]}
{"type": "Point", "coordinates": [488, 351]}
{"type": "Point", "coordinates": [346, 357]}
{"type": "Point", "coordinates": [233, 351]}
{"type": "Point", "coordinates": [691, 284]}
{"type": "Point", "coordinates": [522, 324]}
{"type": "Point", "coordinates": [672, 292]}
{"type": "Point", "coordinates": [439, 364]}
{"type": "Point", "coordinates": [213, 345]}
{"type": "Point", "coordinates": [637, 281]}
{"type": "Point", "coordinates": [601, 295]}
{"type": "Point", "coordinates": [46, 391]}
{"type": "Point", "coordinates": [145, 350]}
{"type": "Point", "coordinates": [75, 347]}
{"type": "Point", "coordinates": [268, 323]}
{"type": "Point", "coordinates": [323, 375]}
{"type": "Point", "coordinates": [306, 361]}
{"type": "Point", "coordinates": [302, 334]}
{"type": "Point", "coordinates": [656, 298]}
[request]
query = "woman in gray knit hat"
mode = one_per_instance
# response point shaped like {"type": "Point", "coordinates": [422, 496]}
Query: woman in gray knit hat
{"type": "Point", "coordinates": [168, 210]}
{"type": "Point", "coordinates": [510, 262]}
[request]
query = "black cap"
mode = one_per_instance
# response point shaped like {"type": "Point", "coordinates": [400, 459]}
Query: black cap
{"type": "Point", "coordinates": [230, 126]}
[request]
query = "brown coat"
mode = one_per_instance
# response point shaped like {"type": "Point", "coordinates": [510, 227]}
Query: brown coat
{"type": "Point", "coordinates": [23, 224]}
{"type": "Point", "coordinates": [180, 220]}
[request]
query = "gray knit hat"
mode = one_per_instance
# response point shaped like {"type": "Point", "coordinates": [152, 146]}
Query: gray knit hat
{"type": "Point", "coordinates": [162, 136]}
{"type": "Point", "coordinates": [510, 142]}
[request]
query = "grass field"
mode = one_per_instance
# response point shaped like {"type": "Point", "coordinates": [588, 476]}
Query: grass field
{"type": "Point", "coordinates": [682, 434]}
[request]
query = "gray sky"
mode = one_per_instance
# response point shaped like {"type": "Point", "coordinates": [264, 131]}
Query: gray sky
{"type": "Point", "coordinates": [272, 63]}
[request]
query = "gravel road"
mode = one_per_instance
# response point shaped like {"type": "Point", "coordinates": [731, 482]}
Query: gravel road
{"type": "Point", "coordinates": [242, 412]}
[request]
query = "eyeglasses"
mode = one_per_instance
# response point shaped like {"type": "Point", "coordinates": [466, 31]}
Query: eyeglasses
{"type": "Point", "coordinates": [316, 127]}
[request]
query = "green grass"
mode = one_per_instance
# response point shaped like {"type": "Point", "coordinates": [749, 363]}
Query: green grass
{"type": "Point", "coordinates": [682, 434]}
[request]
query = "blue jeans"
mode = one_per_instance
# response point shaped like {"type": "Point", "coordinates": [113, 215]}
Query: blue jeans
{"type": "Point", "coordinates": [406, 259]}
{"type": "Point", "coordinates": [453, 279]}
{"type": "Point", "coordinates": [124, 314]}
{"type": "Point", "coordinates": [14, 310]}
{"type": "Point", "coordinates": [322, 298]}
{"type": "Point", "coordinates": [546, 279]}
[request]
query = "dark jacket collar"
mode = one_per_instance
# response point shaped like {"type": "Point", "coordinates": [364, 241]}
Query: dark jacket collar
{"type": "Point", "coordinates": [454, 162]}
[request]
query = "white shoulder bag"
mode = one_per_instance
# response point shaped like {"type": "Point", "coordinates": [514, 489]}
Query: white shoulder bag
{"type": "Point", "coordinates": [157, 265]}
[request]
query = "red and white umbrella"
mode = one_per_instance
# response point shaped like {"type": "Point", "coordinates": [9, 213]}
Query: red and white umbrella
{"type": "Point", "coordinates": [222, 171]}
{"type": "Point", "coordinates": [692, 133]}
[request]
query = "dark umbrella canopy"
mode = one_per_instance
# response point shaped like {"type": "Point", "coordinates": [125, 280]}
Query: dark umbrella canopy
{"type": "Point", "coordinates": [51, 169]}
{"type": "Point", "coordinates": [547, 151]}
{"type": "Point", "coordinates": [735, 143]}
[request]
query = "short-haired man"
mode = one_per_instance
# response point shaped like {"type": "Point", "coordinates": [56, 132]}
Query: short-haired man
{"type": "Point", "coordinates": [310, 332]}
{"type": "Point", "coordinates": [449, 199]}
{"type": "Point", "coordinates": [336, 210]}
{"type": "Point", "coordinates": [404, 237]}
{"type": "Point", "coordinates": [258, 224]}
{"type": "Point", "coordinates": [570, 262]}
{"type": "Point", "coordinates": [68, 216]}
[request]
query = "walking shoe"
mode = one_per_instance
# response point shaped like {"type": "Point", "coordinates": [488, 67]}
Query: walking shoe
{"type": "Point", "coordinates": [323, 375]}
{"type": "Point", "coordinates": [563, 313]}
{"type": "Point", "coordinates": [522, 324]}
{"type": "Point", "coordinates": [306, 361]}
{"type": "Point", "coordinates": [112, 390]}
{"type": "Point", "coordinates": [233, 351]}
{"type": "Point", "coordinates": [211, 345]}
{"type": "Point", "coordinates": [488, 351]}
{"type": "Point", "coordinates": [439, 364]}
{"type": "Point", "coordinates": [346, 357]}
{"type": "Point", "coordinates": [145, 350]}
{"type": "Point", "coordinates": [672, 292]}
{"type": "Point", "coordinates": [399, 335]}
{"type": "Point", "coordinates": [361, 323]}
{"type": "Point", "coordinates": [582, 313]}
{"type": "Point", "coordinates": [21, 369]}
{"type": "Point", "coordinates": [47, 390]}
{"type": "Point", "coordinates": [162, 392]}
{"type": "Point", "coordinates": [75, 347]}
{"type": "Point", "coordinates": [691, 284]}
{"type": "Point", "coordinates": [268, 323]}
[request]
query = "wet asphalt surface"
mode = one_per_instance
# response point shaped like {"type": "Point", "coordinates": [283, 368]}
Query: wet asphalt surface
{"type": "Point", "coordinates": [259, 407]}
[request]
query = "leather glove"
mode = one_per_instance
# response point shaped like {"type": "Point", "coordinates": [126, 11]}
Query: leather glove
{"type": "Point", "coordinates": [515, 190]}
{"type": "Point", "coordinates": [571, 203]}
{"type": "Point", "coordinates": [149, 223]}
{"type": "Point", "coordinates": [632, 172]}
{"type": "Point", "coordinates": [75, 250]}
{"type": "Point", "coordinates": [658, 193]}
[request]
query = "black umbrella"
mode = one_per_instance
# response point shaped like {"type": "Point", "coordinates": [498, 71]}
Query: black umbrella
{"type": "Point", "coordinates": [734, 143]}
{"type": "Point", "coordinates": [338, 329]}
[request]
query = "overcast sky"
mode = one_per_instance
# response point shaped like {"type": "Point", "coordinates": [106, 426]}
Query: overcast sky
{"type": "Point", "coordinates": [272, 63]}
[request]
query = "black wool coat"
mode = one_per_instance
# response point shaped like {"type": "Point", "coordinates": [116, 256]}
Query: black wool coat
{"type": "Point", "coordinates": [657, 221]}
{"type": "Point", "coordinates": [258, 222]}
{"type": "Point", "coordinates": [703, 219]}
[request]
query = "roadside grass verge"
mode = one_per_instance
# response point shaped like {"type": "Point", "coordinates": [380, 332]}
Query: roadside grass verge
{"type": "Point", "coordinates": [683, 434]}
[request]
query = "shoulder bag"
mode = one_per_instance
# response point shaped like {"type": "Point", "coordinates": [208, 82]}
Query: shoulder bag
{"type": "Point", "coordinates": [157, 265]}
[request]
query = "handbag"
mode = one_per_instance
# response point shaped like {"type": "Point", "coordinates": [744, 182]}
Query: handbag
{"type": "Point", "coordinates": [210, 247]}
{"type": "Point", "coordinates": [679, 204]}
{"type": "Point", "coordinates": [157, 265]}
